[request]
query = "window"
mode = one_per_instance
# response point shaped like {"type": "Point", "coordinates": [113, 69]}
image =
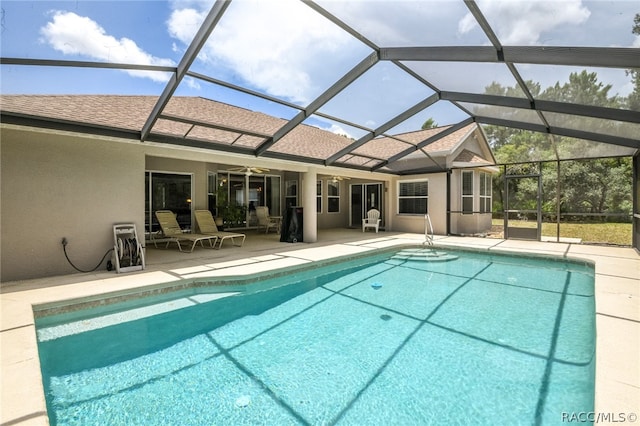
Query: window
{"type": "Point", "coordinates": [167, 191]}
{"type": "Point", "coordinates": [212, 189]}
{"type": "Point", "coordinates": [413, 197]}
{"type": "Point", "coordinates": [485, 192]}
{"type": "Point", "coordinates": [319, 196]}
{"type": "Point", "coordinates": [467, 192]}
{"type": "Point", "coordinates": [291, 193]}
{"type": "Point", "coordinates": [333, 197]}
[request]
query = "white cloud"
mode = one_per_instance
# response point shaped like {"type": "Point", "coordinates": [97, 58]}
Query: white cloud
{"type": "Point", "coordinates": [525, 22]}
{"type": "Point", "coordinates": [72, 34]}
{"type": "Point", "coordinates": [184, 23]}
{"type": "Point", "coordinates": [335, 129]}
{"type": "Point", "coordinates": [192, 83]}
{"type": "Point", "coordinates": [282, 47]}
{"type": "Point", "coordinates": [338, 130]}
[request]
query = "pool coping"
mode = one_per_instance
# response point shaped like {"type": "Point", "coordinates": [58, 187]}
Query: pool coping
{"type": "Point", "coordinates": [617, 311]}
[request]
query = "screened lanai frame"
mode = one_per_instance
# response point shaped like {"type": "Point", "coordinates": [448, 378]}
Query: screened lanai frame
{"type": "Point", "coordinates": [411, 62]}
{"type": "Point", "coordinates": [418, 44]}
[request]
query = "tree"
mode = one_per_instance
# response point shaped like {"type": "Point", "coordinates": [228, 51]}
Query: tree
{"type": "Point", "coordinates": [591, 186]}
{"type": "Point", "coordinates": [595, 186]}
{"type": "Point", "coordinates": [633, 100]}
{"type": "Point", "coordinates": [429, 124]}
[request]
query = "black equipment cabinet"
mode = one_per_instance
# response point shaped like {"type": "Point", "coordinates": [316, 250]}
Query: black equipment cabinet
{"type": "Point", "coordinates": [291, 231]}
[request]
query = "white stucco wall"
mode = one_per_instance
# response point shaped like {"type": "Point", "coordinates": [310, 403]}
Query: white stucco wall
{"type": "Point", "coordinates": [437, 205]}
{"type": "Point", "coordinates": [339, 219]}
{"type": "Point", "coordinates": [56, 186]}
{"type": "Point", "coordinates": [467, 224]}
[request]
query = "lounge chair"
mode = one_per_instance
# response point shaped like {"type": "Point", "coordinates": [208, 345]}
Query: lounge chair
{"type": "Point", "coordinates": [173, 233]}
{"type": "Point", "coordinates": [207, 226]}
{"type": "Point", "coordinates": [372, 220]}
{"type": "Point", "coordinates": [269, 222]}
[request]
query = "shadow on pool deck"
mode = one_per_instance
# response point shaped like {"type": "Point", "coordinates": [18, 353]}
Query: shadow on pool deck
{"type": "Point", "coordinates": [617, 304]}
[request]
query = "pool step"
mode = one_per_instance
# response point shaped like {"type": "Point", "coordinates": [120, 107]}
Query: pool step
{"type": "Point", "coordinates": [424, 255]}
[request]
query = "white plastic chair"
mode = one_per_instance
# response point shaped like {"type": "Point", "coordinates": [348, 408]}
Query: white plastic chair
{"type": "Point", "coordinates": [264, 219]}
{"type": "Point", "coordinates": [372, 220]}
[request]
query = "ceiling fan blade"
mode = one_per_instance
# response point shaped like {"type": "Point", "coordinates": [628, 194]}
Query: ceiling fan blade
{"type": "Point", "coordinates": [247, 169]}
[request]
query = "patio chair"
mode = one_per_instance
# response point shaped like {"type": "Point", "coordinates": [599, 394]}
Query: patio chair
{"type": "Point", "coordinates": [269, 222]}
{"type": "Point", "coordinates": [372, 220]}
{"type": "Point", "coordinates": [173, 233]}
{"type": "Point", "coordinates": [207, 226]}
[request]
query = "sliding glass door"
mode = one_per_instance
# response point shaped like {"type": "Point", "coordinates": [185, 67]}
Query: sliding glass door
{"type": "Point", "coordinates": [237, 195]}
{"type": "Point", "coordinates": [167, 191]}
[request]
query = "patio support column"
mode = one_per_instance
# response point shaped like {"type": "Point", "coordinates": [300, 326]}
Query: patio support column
{"type": "Point", "coordinates": [309, 213]}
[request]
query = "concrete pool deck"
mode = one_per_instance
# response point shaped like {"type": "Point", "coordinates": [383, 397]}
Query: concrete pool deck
{"type": "Point", "coordinates": [617, 292]}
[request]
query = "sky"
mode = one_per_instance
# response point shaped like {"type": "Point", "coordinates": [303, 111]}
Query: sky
{"type": "Point", "coordinates": [282, 48]}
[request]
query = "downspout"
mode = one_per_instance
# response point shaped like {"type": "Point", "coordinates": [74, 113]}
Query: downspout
{"type": "Point", "coordinates": [448, 202]}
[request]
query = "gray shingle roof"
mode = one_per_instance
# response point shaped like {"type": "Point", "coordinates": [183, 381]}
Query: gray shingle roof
{"type": "Point", "coordinates": [220, 124]}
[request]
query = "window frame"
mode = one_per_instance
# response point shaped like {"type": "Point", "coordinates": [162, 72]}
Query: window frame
{"type": "Point", "coordinates": [486, 195]}
{"type": "Point", "coordinates": [333, 197]}
{"type": "Point", "coordinates": [467, 196]}
{"type": "Point", "coordinates": [288, 184]}
{"type": "Point", "coordinates": [212, 192]}
{"type": "Point", "coordinates": [401, 197]}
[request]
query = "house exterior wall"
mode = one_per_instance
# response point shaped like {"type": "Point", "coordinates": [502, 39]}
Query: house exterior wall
{"type": "Point", "coordinates": [467, 224]}
{"type": "Point", "coordinates": [56, 185]}
{"type": "Point", "coordinates": [472, 144]}
{"type": "Point", "coordinates": [339, 219]}
{"type": "Point", "coordinates": [59, 185]}
{"type": "Point", "coordinates": [437, 205]}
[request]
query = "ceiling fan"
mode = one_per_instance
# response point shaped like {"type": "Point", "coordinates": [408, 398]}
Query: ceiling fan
{"type": "Point", "coordinates": [335, 179]}
{"type": "Point", "coordinates": [248, 171]}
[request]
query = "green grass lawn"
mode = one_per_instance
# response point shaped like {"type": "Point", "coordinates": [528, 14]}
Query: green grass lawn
{"type": "Point", "coordinates": [607, 233]}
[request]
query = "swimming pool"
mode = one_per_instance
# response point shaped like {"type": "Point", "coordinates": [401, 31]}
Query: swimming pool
{"type": "Point", "coordinates": [470, 338]}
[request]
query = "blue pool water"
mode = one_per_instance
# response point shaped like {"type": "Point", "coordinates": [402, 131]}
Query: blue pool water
{"type": "Point", "coordinates": [477, 339]}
